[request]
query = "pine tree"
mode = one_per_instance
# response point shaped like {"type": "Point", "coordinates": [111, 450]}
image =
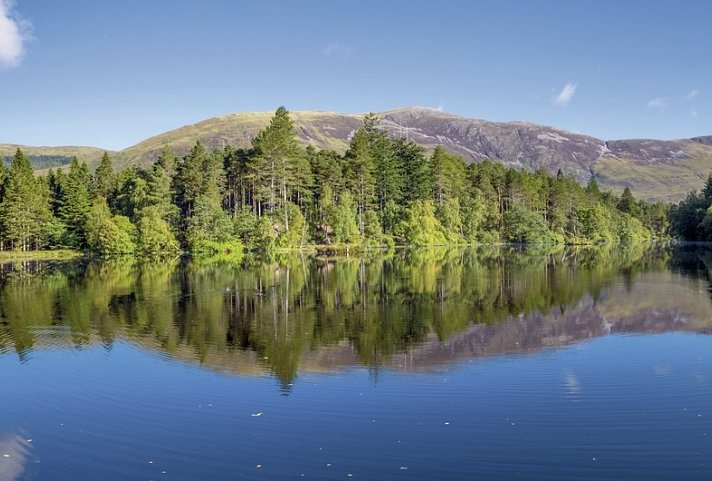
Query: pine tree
{"type": "Point", "coordinates": [190, 178]}
{"type": "Point", "coordinates": [707, 189]}
{"type": "Point", "coordinates": [168, 160]}
{"type": "Point", "coordinates": [159, 193]}
{"type": "Point", "coordinates": [627, 203]}
{"type": "Point", "coordinates": [448, 175]}
{"type": "Point", "coordinates": [3, 179]}
{"type": "Point", "coordinates": [104, 180]}
{"type": "Point", "coordinates": [359, 172]}
{"type": "Point", "coordinates": [415, 171]}
{"type": "Point", "coordinates": [388, 175]}
{"type": "Point", "coordinates": [132, 194]}
{"type": "Point", "coordinates": [25, 206]}
{"type": "Point", "coordinates": [279, 165]}
{"type": "Point", "coordinates": [75, 202]}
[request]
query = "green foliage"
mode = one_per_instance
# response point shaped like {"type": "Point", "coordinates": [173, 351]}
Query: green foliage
{"type": "Point", "coordinates": [279, 166]}
{"type": "Point", "coordinates": [109, 235]}
{"type": "Point", "coordinates": [155, 236]}
{"type": "Point", "coordinates": [451, 221]}
{"type": "Point", "coordinates": [160, 193]}
{"type": "Point", "coordinates": [55, 234]}
{"type": "Point", "coordinates": [372, 228]}
{"type": "Point", "coordinates": [527, 227]}
{"type": "Point", "coordinates": [209, 222]}
{"type": "Point", "coordinates": [256, 233]}
{"type": "Point", "coordinates": [631, 229]}
{"type": "Point", "coordinates": [104, 180]}
{"type": "Point", "coordinates": [421, 227]}
{"type": "Point", "coordinates": [25, 207]}
{"type": "Point", "coordinates": [75, 202]}
{"type": "Point", "coordinates": [297, 234]}
{"type": "Point", "coordinates": [627, 203]}
{"type": "Point", "coordinates": [447, 174]}
{"type": "Point", "coordinates": [359, 172]}
{"type": "Point", "coordinates": [343, 221]}
{"type": "Point", "coordinates": [689, 219]}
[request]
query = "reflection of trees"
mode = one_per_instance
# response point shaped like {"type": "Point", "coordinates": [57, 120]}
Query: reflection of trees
{"type": "Point", "coordinates": [286, 307]}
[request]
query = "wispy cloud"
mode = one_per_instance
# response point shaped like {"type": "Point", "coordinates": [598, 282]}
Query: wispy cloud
{"type": "Point", "coordinates": [693, 113]}
{"type": "Point", "coordinates": [657, 103]}
{"type": "Point", "coordinates": [566, 94]}
{"type": "Point", "coordinates": [692, 94]}
{"type": "Point", "coordinates": [14, 33]}
{"type": "Point", "coordinates": [337, 50]}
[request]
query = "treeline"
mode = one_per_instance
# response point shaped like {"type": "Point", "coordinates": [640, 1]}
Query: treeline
{"type": "Point", "coordinates": [691, 219]}
{"type": "Point", "coordinates": [42, 161]}
{"type": "Point", "coordinates": [277, 194]}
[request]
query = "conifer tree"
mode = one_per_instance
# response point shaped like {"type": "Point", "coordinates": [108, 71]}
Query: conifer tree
{"type": "Point", "coordinates": [190, 178]}
{"type": "Point", "coordinates": [279, 165]}
{"type": "Point", "coordinates": [75, 202]}
{"type": "Point", "coordinates": [159, 193]}
{"type": "Point", "coordinates": [25, 206]}
{"type": "Point", "coordinates": [359, 172]}
{"type": "Point", "coordinates": [627, 203]}
{"type": "Point", "coordinates": [104, 180]}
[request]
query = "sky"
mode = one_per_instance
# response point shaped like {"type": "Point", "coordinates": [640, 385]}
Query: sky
{"type": "Point", "coordinates": [111, 73]}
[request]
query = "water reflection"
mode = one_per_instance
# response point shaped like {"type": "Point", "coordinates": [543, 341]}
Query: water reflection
{"type": "Point", "coordinates": [410, 310]}
{"type": "Point", "coordinates": [15, 451]}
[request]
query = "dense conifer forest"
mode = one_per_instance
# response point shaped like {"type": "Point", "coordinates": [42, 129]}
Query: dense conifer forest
{"type": "Point", "coordinates": [277, 194]}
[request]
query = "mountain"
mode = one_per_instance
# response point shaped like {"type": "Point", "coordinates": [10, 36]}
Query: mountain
{"type": "Point", "coordinates": [654, 169]}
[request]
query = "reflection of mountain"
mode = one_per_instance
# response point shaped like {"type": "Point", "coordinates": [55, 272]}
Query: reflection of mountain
{"type": "Point", "coordinates": [411, 312]}
{"type": "Point", "coordinates": [657, 302]}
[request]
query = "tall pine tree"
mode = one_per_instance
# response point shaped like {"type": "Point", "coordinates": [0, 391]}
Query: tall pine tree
{"type": "Point", "coordinates": [25, 206]}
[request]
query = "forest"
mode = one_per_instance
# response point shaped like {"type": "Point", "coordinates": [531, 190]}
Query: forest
{"type": "Point", "coordinates": [277, 194]}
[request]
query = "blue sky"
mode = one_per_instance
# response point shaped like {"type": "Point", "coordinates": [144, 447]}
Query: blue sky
{"type": "Point", "coordinates": [111, 73]}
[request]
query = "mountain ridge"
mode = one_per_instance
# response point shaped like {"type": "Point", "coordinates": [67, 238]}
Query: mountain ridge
{"type": "Point", "coordinates": [654, 169]}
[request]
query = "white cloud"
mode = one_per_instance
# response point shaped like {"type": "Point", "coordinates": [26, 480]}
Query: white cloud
{"type": "Point", "coordinates": [692, 94]}
{"type": "Point", "coordinates": [657, 103]}
{"type": "Point", "coordinates": [337, 50]}
{"type": "Point", "coordinates": [14, 33]}
{"type": "Point", "coordinates": [566, 94]}
{"type": "Point", "coordinates": [693, 113]}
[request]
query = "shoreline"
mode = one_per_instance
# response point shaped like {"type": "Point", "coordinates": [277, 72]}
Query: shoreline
{"type": "Point", "coordinates": [317, 249]}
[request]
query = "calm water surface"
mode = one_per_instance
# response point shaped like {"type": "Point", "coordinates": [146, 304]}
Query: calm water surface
{"type": "Point", "coordinates": [583, 364]}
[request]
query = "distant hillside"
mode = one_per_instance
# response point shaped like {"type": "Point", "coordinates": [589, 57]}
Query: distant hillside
{"type": "Point", "coordinates": [43, 158]}
{"type": "Point", "coordinates": [654, 169]}
{"type": "Point", "coordinates": [325, 130]}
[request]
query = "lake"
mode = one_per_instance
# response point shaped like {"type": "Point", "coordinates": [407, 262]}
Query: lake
{"type": "Point", "coordinates": [482, 364]}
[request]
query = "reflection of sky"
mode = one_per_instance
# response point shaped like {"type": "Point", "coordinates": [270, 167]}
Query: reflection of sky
{"type": "Point", "coordinates": [573, 385]}
{"type": "Point", "coordinates": [14, 452]}
{"type": "Point", "coordinates": [661, 371]}
{"type": "Point", "coordinates": [129, 414]}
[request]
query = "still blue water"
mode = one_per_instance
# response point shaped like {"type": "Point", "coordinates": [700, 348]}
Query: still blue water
{"type": "Point", "coordinates": [631, 402]}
